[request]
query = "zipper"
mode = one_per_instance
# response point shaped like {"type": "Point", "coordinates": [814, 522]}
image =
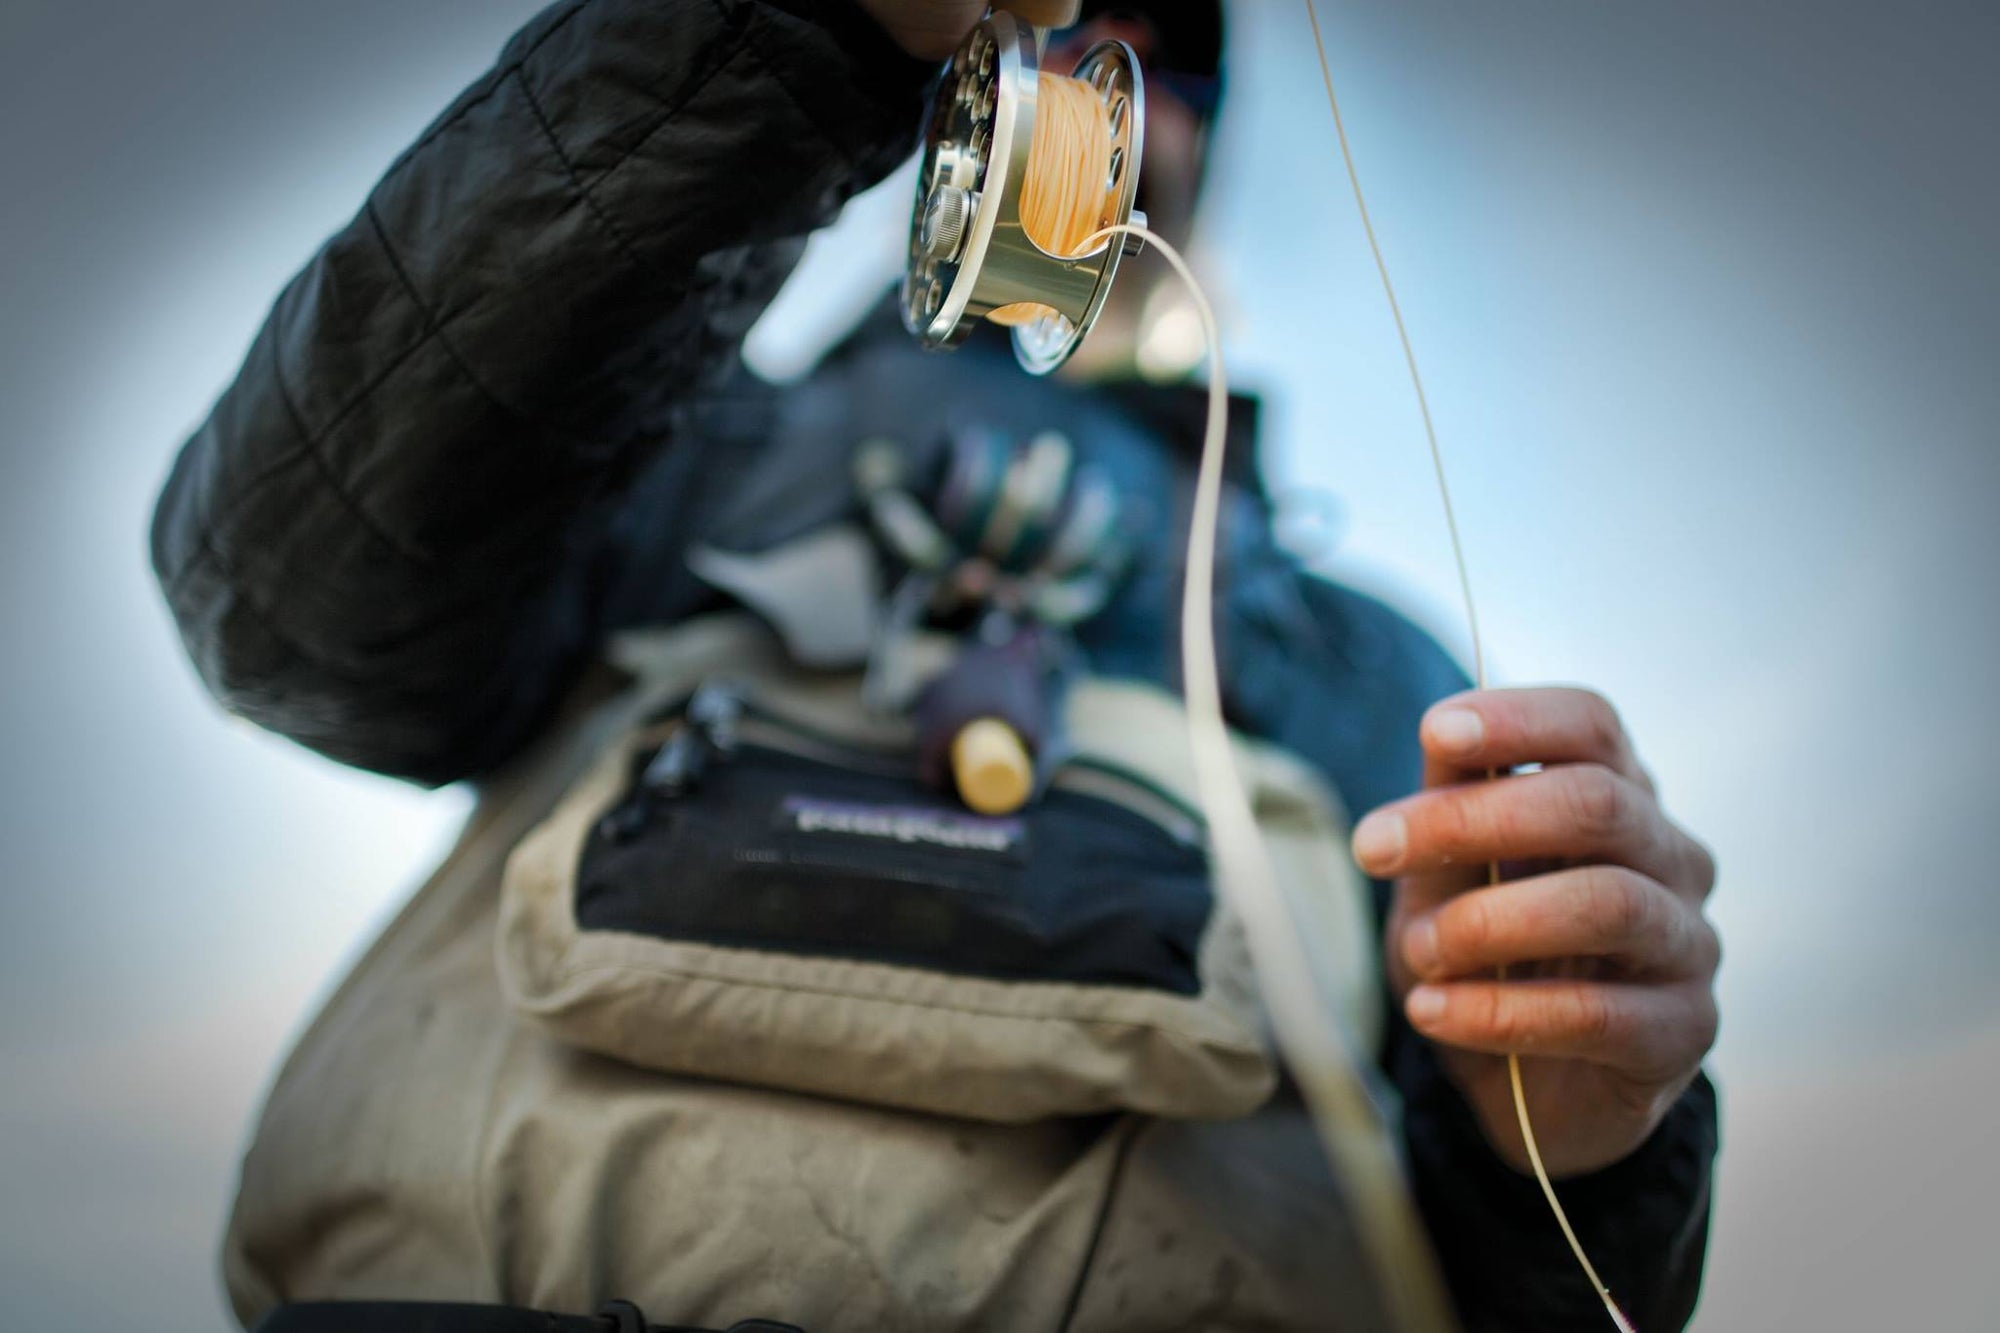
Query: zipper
{"type": "Point", "coordinates": [707, 729]}
{"type": "Point", "coordinates": [1122, 787]}
{"type": "Point", "coordinates": [767, 732]}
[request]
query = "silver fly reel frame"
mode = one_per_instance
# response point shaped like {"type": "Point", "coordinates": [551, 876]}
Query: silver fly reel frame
{"type": "Point", "coordinates": [969, 254]}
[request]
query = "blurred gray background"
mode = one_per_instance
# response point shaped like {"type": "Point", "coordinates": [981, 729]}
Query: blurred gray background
{"type": "Point", "coordinates": [1706, 295]}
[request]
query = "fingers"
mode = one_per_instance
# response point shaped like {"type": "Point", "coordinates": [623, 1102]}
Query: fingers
{"type": "Point", "coordinates": [1485, 730]}
{"type": "Point", "coordinates": [930, 30]}
{"type": "Point", "coordinates": [1582, 811]}
{"type": "Point", "coordinates": [1594, 911]}
{"type": "Point", "coordinates": [1652, 1032]}
{"type": "Point", "coordinates": [1044, 13]}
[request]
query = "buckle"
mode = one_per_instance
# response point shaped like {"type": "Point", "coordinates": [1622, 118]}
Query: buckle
{"type": "Point", "coordinates": [624, 1317]}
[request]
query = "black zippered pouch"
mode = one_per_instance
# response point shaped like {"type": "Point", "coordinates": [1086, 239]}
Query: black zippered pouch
{"type": "Point", "coordinates": [797, 843]}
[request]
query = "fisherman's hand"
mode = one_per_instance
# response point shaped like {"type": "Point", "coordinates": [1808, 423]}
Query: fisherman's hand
{"type": "Point", "coordinates": [1609, 995]}
{"type": "Point", "coordinates": [932, 29]}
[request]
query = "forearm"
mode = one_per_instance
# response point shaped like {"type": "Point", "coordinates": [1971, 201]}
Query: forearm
{"type": "Point", "coordinates": [379, 541]}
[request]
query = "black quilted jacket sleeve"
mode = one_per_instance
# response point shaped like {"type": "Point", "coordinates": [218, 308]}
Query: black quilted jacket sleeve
{"type": "Point", "coordinates": [382, 541]}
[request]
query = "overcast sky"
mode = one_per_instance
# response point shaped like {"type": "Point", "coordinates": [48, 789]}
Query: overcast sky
{"type": "Point", "coordinates": [1706, 298]}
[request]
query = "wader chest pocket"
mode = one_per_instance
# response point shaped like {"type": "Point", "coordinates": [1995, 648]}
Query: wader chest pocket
{"type": "Point", "coordinates": [731, 895]}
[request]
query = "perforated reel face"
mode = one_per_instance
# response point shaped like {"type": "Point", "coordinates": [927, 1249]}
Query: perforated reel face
{"type": "Point", "coordinates": [968, 252]}
{"type": "Point", "coordinates": [951, 183]}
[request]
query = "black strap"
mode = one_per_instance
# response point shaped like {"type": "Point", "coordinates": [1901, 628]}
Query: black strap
{"type": "Point", "coordinates": [444, 1317]}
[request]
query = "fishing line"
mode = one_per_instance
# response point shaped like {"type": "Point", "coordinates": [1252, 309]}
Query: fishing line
{"type": "Point", "coordinates": [1472, 623]}
{"type": "Point", "coordinates": [1015, 232]}
{"type": "Point", "coordinates": [1321, 1056]}
{"type": "Point", "coordinates": [1066, 193]}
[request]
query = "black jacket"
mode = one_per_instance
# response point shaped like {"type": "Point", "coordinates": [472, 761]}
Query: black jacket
{"type": "Point", "coordinates": [479, 429]}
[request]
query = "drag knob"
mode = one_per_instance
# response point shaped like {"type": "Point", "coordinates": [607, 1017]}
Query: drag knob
{"type": "Point", "coordinates": [945, 217]}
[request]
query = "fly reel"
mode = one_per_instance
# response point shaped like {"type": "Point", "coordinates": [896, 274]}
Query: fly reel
{"type": "Point", "coordinates": [970, 253]}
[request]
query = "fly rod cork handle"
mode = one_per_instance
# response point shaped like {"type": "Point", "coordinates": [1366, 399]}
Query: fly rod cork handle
{"type": "Point", "coordinates": [991, 766]}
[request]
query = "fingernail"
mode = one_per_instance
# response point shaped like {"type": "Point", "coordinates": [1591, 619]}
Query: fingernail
{"type": "Point", "coordinates": [1379, 842]}
{"type": "Point", "coordinates": [1425, 1006]}
{"type": "Point", "coordinates": [1458, 729]}
{"type": "Point", "coordinates": [1420, 946]}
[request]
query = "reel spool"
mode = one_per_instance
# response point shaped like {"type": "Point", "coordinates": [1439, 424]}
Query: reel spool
{"type": "Point", "coordinates": [970, 254]}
